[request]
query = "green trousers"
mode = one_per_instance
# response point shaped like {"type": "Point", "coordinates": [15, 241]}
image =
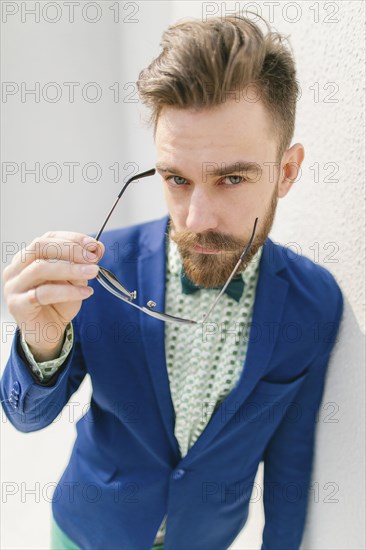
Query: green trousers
{"type": "Point", "coordinates": [60, 541]}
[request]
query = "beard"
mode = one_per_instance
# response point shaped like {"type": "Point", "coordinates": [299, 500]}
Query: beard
{"type": "Point", "coordinates": [213, 270]}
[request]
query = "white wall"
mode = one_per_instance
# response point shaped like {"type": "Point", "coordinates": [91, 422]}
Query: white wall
{"type": "Point", "coordinates": [330, 58]}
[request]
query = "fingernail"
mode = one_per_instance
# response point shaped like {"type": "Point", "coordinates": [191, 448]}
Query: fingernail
{"type": "Point", "coordinates": [86, 291]}
{"type": "Point", "coordinates": [89, 256]}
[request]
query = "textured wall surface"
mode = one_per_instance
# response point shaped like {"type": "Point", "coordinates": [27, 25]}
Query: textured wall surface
{"type": "Point", "coordinates": [334, 212]}
{"type": "Point", "coordinates": [323, 217]}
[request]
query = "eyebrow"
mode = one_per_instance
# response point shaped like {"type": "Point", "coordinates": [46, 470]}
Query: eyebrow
{"type": "Point", "coordinates": [215, 169]}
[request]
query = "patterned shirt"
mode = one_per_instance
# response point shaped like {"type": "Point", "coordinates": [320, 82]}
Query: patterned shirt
{"type": "Point", "coordinates": [204, 361]}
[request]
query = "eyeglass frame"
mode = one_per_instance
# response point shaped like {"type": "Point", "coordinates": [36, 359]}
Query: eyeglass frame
{"type": "Point", "coordinates": [128, 297]}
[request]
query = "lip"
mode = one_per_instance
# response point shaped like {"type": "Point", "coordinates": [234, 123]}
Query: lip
{"type": "Point", "coordinates": [203, 250]}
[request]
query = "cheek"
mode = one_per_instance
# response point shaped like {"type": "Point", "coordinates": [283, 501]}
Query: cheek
{"type": "Point", "coordinates": [238, 213]}
{"type": "Point", "coordinates": [254, 202]}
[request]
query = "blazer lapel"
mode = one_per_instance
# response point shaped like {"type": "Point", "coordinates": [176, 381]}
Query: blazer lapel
{"type": "Point", "coordinates": [267, 314]}
{"type": "Point", "coordinates": [151, 286]}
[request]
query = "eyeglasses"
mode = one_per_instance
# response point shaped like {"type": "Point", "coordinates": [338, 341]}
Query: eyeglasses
{"type": "Point", "coordinates": [115, 287]}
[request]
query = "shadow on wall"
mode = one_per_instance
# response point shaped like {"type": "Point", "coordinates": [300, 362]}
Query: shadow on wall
{"type": "Point", "coordinates": [337, 496]}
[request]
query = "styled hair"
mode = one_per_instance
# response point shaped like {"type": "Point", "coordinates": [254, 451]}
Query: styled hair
{"type": "Point", "coordinates": [204, 63]}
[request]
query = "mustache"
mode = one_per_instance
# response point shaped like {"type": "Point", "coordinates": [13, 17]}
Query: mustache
{"type": "Point", "coordinates": [209, 239]}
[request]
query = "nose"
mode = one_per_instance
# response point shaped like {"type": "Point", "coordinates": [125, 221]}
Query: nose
{"type": "Point", "coordinates": [202, 213]}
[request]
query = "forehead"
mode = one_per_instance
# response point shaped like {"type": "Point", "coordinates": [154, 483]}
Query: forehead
{"type": "Point", "coordinates": [232, 130]}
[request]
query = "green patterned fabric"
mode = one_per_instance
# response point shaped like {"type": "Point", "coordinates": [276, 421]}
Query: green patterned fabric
{"type": "Point", "coordinates": [47, 369]}
{"type": "Point", "coordinates": [204, 362]}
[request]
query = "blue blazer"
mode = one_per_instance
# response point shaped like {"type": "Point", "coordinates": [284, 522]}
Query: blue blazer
{"type": "Point", "coordinates": [126, 472]}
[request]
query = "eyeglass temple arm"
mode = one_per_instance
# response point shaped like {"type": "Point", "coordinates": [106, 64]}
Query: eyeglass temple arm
{"type": "Point", "coordinates": [150, 172]}
{"type": "Point", "coordinates": [233, 272]}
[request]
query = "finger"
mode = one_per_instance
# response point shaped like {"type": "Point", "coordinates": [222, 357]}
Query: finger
{"type": "Point", "coordinates": [44, 271]}
{"type": "Point", "coordinates": [56, 294]}
{"type": "Point", "coordinates": [76, 282]}
{"type": "Point", "coordinates": [52, 250]}
{"type": "Point", "coordinates": [48, 294]}
{"type": "Point", "coordinates": [82, 251]}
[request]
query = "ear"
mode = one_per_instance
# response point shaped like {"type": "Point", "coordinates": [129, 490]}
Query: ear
{"type": "Point", "coordinates": [290, 167]}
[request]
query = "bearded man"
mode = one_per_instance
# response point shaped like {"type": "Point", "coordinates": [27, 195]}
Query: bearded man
{"type": "Point", "coordinates": [205, 362]}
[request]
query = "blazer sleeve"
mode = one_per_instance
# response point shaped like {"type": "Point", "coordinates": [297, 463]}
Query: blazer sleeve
{"type": "Point", "coordinates": [288, 458]}
{"type": "Point", "coordinates": [30, 404]}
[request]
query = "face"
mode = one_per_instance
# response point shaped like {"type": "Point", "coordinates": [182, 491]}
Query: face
{"type": "Point", "coordinates": [219, 174]}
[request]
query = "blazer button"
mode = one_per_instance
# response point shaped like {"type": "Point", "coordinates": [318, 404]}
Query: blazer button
{"type": "Point", "coordinates": [16, 387]}
{"type": "Point", "coordinates": [178, 474]}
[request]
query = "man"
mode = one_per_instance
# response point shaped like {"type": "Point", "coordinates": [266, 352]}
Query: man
{"type": "Point", "coordinates": [182, 413]}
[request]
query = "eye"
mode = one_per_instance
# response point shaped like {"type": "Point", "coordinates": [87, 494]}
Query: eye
{"type": "Point", "coordinates": [177, 180]}
{"type": "Point", "coordinates": [233, 180]}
